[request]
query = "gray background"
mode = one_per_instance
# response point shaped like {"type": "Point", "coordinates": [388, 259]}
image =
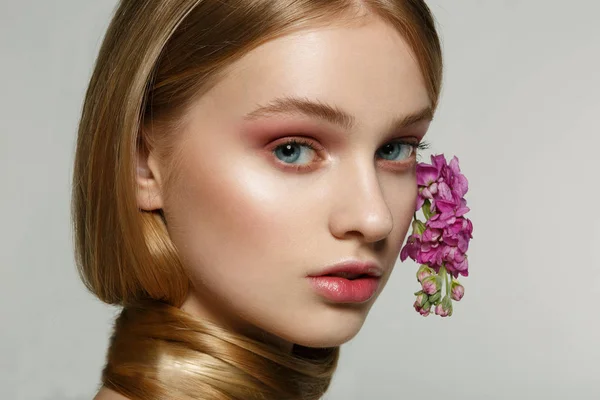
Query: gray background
{"type": "Point", "coordinates": [520, 107]}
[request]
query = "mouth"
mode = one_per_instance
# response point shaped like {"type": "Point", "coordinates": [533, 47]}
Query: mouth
{"type": "Point", "coordinates": [352, 269]}
{"type": "Point", "coordinates": [348, 275]}
{"type": "Point", "coordinates": [349, 282]}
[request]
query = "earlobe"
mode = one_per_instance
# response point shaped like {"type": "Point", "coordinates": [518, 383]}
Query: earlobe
{"type": "Point", "coordinates": [148, 183]}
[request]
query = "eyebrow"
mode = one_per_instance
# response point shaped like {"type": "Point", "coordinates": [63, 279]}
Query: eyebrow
{"type": "Point", "coordinates": [334, 115]}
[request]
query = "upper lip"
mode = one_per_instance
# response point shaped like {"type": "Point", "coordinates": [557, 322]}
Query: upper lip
{"type": "Point", "coordinates": [354, 267]}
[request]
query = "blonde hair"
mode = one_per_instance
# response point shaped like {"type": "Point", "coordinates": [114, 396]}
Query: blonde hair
{"type": "Point", "coordinates": [156, 58]}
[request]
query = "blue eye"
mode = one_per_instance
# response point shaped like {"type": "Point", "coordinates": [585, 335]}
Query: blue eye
{"type": "Point", "coordinates": [301, 153]}
{"type": "Point", "coordinates": [396, 151]}
{"type": "Point", "coordinates": [291, 152]}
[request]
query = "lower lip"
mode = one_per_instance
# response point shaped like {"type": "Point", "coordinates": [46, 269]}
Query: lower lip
{"type": "Point", "coordinates": [342, 290]}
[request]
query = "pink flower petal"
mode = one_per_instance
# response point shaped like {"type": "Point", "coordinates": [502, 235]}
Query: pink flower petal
{"type": "Point", "coordinates": [427, 174]}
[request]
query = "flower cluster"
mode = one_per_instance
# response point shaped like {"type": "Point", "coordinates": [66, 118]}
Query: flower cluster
{"type": "Point", "coordinates": [441, 242]}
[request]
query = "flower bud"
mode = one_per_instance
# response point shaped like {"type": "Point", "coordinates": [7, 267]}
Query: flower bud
{"type": "Point", "coordinates": [425, 310]}
{"type": "Point", "coordinates": [444, 309]}
{"type": "Point", "coordinates": [418, 227]}
{"type": "Point", "coordinates": [458, 290]}
{"type": "Point", "coordinates": [432, 284]}
{"type": "Point", "coordinates": [423, 272]}
{"type": "Point", "coordinates": [439, 310]}
{"type": "Point", "coordinates": [435, 299]}
{"type": "Point", "coordinates": [422, 298]}
{"type": "Point", "coordinates": [427, 207]}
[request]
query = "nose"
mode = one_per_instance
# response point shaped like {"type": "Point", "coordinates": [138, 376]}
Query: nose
{"type": "Point", "coordinates": [360, 208]}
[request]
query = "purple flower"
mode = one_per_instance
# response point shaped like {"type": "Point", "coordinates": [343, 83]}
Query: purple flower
{"type": "Point", "coordinates": [431, 235]}
{"type": "Point", "coordinates": [448, 212]}
{"type": "Point", "coordinates": [429, 251]}
{"type": "Point", "coordinates": [443, 240]}
{"type": "Point", "coordinates": [455, 261]}
{"type": "Point", "coordinates": [411, 248]}
{"type": "Point", "coordinates": [459, 231]}
{"type": "Point", "coordinates": [441, 183]}
{"type": "Point", "coordinates": [431, 254]}
{"type": "Point", "coordinates": [438, 246]}
{"type": "Point", "coordinates": [455, 179]}
{"type": "Point", "coordinates": [427, 180]}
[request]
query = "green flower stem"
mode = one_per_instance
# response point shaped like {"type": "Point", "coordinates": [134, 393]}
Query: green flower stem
{"type": "Point", "coordinates": [445, 277]}
{"type": "Point", "coordinates": [427, 209]}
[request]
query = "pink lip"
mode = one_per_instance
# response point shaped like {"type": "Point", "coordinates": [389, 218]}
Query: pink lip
{"type": "Point", "coordinates": [343, 290]}
{"type": "Point", "coordinates": [352, 267]}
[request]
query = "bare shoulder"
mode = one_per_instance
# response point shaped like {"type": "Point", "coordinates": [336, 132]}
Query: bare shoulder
{"type": "Point", "coordinates": [107, 394]}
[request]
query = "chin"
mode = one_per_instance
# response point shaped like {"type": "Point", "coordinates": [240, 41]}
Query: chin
{"type": "Point", "coordinates": [332, 329]}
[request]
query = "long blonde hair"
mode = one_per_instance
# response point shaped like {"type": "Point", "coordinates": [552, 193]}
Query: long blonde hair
{"type": "Point", "coordinates": [156, 58]}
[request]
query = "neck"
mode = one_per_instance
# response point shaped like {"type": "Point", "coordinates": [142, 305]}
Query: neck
{"type": "Point", "coordinates": [209, 312]}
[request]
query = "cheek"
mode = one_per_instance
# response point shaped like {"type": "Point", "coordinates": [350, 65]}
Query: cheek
{"type": "Point", "coordinates": [401, 196]}
{"type": "Point", "coordinates": [234, 220]}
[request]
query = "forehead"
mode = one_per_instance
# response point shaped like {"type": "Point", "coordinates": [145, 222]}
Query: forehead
{"type": "Point", "coordinates": [367, 70]}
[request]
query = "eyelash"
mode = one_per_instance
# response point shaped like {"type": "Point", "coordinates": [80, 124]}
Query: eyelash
{"type": "Point", "coordinates": [423, 145]}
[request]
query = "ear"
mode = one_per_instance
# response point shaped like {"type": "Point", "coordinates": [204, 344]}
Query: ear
{"type": "Point", "coordinates": [148, 182]}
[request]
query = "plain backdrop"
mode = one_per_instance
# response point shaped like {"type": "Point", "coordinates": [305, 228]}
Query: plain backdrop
{"type": "Point", "coordinates": [520, 108]}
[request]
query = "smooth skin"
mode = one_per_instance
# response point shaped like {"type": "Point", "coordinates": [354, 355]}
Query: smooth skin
{"type": "Point", "coordinates": [252, 217]}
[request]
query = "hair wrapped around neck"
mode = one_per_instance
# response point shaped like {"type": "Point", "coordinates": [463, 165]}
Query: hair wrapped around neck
{"type": "Point", "coordinates": [158, 351]}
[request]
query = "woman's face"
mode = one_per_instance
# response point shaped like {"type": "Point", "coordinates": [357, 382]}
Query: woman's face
{"type": "Point", "coordinates": [253, 216]}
